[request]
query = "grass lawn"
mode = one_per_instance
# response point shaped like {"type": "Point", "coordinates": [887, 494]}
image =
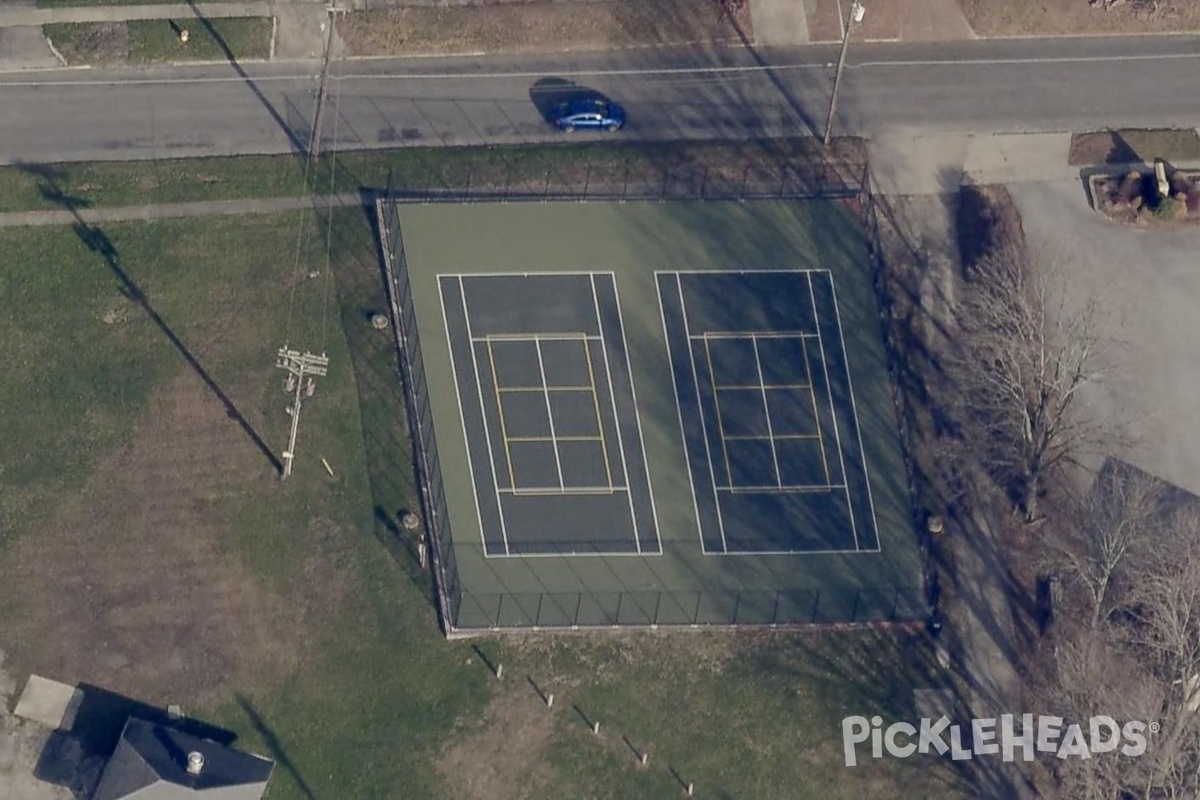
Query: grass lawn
{"type": "Point", "coordinates": [540, 26]}
{"type": "Point", "coordinates": [413, 169]}
{"type": "Point", "coordinates": [319, 645]}
{"type": "Point", "coordinates": [155, 41]}
{"type": "Point", "coordinates": [1131, 146]}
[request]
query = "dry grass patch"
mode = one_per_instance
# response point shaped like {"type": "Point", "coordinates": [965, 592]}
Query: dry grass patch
{"type": "Point", "coordinates": [501, 757]}
{"type": "Point", "coordinates": [132, 587]}
{"type": "Point", "coordinates": [1133, 146]}
{"type": "Point", "coordinates": [90, 43]}
{"type": "Point", "coordinates": [824, 22]}
{"type": "Point", "coordinates": [1056, 17]}
{"type": "Point", "coordinates": [540, 26]}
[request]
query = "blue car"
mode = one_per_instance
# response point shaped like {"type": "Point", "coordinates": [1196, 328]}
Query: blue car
{"type": "Point", "coordinates": [590, 113]}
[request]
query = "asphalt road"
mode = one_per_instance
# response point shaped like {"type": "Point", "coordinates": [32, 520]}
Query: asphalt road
{"type": "Point", "coordinates": [970, 87]}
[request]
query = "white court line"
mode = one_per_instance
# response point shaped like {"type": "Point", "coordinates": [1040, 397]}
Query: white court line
{"type": "Point", "coordinates": [637, 417]}
{"type": "Point", "coordinates": [743, 271]}
{"type": "Point", "coordinates": [857, 422]}
{"type": "Point", "coordinates": [574, 491]}
{"type": "Point", "coordinates": [662, 315]}
{"type": "Point", "coordinates": [791, 552]}
{"type": "Point", "coordinates": [703, 425]}
{"type": "Point", "coordinates": [832, 411]}
{"type": "Point", "coordinates": [461, 416]}
{"type": "Point", "coordinates": [612, 396]}
{"type": "Point", "coordinates": [549, 414]}
{"type": "Point", "coordinates": [758, 334]}
{"type": "Point", "coordinates": [762, 379]}
{"type": "Point", "coordinates": [483, 415]}
{"type": "Point", "coordinates": [781, 489]}
{"type": "Point", "coordinates": [538, 274]}
{"type": "Point", "coordinates": [533, 337]}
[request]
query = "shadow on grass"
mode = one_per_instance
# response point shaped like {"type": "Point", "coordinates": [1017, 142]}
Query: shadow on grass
{"type": "Point", "coordinates": [274, 746]}
{"type": "Point", "coordinates": [95, 239]}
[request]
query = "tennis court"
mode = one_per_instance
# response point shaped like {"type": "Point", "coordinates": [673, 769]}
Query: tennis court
{"type": "Point", "coordinates": [549, 414]}
{"type": "Point", "coordinates": [653, 413]}
{"type": "Point", "coordinates": [767, 412]}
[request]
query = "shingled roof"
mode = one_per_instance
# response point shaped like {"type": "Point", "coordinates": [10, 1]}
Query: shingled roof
{"type": "Point", "coordinates": [151, 763]}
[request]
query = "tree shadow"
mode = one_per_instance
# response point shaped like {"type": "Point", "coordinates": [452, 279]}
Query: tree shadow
{"type": "Point", "coordinates": [789, 97]}
{"type": "Point", "coordinates": [96, 240]}
{"type": "Point", "coordinates": [299, 146]}
{"type": "Point", "coordinates": [74, 758]}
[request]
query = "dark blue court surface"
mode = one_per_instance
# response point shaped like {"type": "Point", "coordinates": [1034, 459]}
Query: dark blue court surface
{"type": "Point", "coordinates": [767, 412]}
{"type": "Point", "coordinates": [548, 413]}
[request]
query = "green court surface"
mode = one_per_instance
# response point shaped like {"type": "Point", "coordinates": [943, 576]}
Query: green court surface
{"type": "Point", "coordinates": [655, 414]}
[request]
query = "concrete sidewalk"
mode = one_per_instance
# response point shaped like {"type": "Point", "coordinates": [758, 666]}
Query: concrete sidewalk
{"type": "Point", "coordinates": [18, 17]}
{"type": "Point", "coordinates": [200, 208]}
{"type": "Point", "coordinates": [937, 163]}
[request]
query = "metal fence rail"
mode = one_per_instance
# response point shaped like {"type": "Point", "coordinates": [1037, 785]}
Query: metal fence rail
{"type": "Point", "coordinates": [699, 608]}
{"type": "Point", "coordinates": [621, 181]}
{"type": "Point", "coordinates": [420, 414]}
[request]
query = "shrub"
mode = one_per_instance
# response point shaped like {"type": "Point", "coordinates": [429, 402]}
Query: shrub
{"type": "Point", "coordinates": [1169, 209]}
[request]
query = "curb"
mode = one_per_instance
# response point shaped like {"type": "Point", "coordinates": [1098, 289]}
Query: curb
{"type": "Point", "coordinates": [62, 60]}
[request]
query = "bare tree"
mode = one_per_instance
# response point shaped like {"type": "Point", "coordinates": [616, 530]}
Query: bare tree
{"type": "Point", "coordinates": [1140, 660]}
{"type": "Point", "coordinates": [1096, 675]}
{"type": "Point", "coordinates": [1024, 358]}
{"type": "Point", "coordinates": [1116, 522]}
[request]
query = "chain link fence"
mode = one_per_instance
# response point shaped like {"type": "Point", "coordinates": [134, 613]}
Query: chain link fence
{"type": "Point", "coordinates": [461, 611]}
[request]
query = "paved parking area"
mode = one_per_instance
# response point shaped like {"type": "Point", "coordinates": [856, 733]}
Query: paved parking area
{"type": "Point", "coordinates": [1148, 287]}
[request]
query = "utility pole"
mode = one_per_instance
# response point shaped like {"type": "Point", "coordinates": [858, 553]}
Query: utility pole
{"type": "Point", "coordinates": [856, 16]}
{"type": "Point", "coordinates": [314, 140]}
{"type": "Point", "coordinates": [300, 367]}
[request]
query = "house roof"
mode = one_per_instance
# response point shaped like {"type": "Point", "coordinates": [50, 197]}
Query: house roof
{"type": "Point", "coordinates": [150, 763]}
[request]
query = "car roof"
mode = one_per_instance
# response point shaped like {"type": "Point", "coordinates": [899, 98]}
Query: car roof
{"type": "Point", "coordinates": [587, 106]}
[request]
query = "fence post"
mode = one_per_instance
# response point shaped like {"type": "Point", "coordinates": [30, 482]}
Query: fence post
{"type": "Point", "coordinates": [578, 605]}
{"type": "Point", "coordinates": [745, 178]}
{"type": "Point", "coordinates": [428, 183]}
{"type": "Point", "coordinates": [546, 186]}
{"type": "Point", "coordinates": [617, 616]}
{"type": "Point", "coordinates": [657, 606]}
{"type": "Point", "coordinates": [499, 608]}
{"type": "Point", "coordinates": [467, 194]}
{"type": "Point", "coordinates": [696, 612]}
{"type": "Point", "coordinates": [537, 617]}
{"type": "Point", "coordinates": [782, 180]}
{"type": "Point", "coordinates": [666, 177]}
{"type": "Point", "coordinates": [703, 183]}
{"type": "Point", "coordinates": [737, 602]}
{"type": "Point", "coordinates": [775, 611]}
{"type": "Point", "coordinates": [587, 180]}
{"type": "Point", "coordinates": [507, 180]}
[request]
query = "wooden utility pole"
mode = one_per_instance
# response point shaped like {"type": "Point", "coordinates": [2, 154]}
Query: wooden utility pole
{"type": "Point", "coordinates": [301, 368]}
{"type": "Point", "coordinates": [856, 14]}
{"type": "Point", "coordinates": [314, 140]}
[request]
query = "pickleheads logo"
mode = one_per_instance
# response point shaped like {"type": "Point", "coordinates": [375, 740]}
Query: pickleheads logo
{"type": "Point", "coordinates": [1046, 735]}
